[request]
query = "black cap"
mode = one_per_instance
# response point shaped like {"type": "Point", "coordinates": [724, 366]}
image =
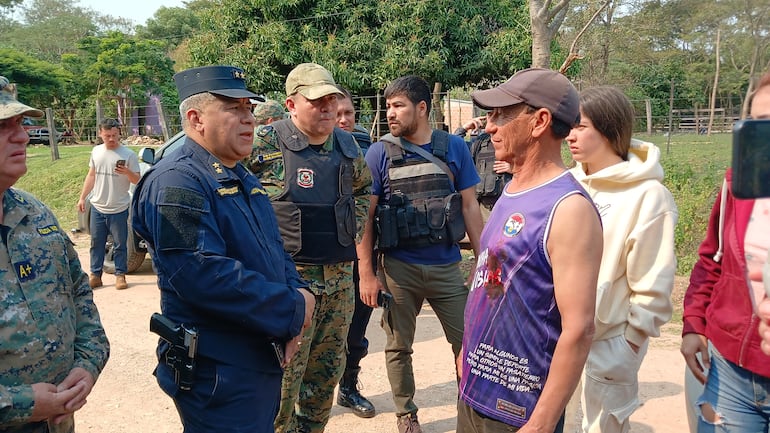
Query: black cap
{"type": "Point", "coordinates": [226, 81]}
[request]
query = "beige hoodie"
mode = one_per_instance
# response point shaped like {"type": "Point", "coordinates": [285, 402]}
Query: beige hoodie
{"type": "Point", "coordinates": [638, 264]}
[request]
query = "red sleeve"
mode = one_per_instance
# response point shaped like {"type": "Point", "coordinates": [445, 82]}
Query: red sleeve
{"type": "Point", "coordinates": [704, 275]}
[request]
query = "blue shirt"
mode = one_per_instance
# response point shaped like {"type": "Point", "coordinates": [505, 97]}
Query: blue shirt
{"type": "Point", "coordinates": [459, 160]}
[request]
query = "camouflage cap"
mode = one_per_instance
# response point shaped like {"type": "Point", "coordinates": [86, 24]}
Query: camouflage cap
{"type": "Point", "coordinates": [269, 109]}
{"type": "Point", "coordinates": [312, 81]}
{"type": "Point", "coordinates": [9, 106]}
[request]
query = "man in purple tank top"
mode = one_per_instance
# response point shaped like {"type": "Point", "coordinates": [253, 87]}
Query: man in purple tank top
{"type": "Point", "coordinates": [529, 318]}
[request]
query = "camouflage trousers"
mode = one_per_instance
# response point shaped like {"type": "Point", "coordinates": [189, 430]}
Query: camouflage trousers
{"type": "Point", "coordinates": [307, 389]}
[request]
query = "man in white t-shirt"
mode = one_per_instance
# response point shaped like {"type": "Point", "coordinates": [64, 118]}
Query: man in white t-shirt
{"type": "Point", "coordinates": [112, 169]}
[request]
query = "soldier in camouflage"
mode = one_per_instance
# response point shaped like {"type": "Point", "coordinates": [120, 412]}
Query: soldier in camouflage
{"type": "Point", "coordinates": [268, 112]}
{"type": "Point", "coordinates": [301, 159]}
{"type": "Point", "coordinates": [52, 344]}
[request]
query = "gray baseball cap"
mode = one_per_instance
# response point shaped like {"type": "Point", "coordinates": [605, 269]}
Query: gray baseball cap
{"type": "Point", "coordinates": [539, 88]}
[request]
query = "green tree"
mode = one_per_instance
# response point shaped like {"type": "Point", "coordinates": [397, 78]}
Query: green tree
{"type": "Point", "coordinates": [125, 69]}
{"type": "Point", "coordinates": [367, 43]}
{"type": "Point", "coordinates": [39, 83]}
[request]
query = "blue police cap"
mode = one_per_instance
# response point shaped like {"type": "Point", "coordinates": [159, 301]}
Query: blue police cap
{"type": "Point", "coordinates": [226, 81]}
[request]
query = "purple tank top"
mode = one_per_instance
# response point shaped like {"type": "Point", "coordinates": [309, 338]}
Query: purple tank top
{"type": "Point", "coordinates": [511, 319]}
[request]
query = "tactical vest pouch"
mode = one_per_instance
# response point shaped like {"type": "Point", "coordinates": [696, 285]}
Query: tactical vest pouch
{"type": "Point", "coordinates": [385, 223]}
{"type": "Point", "coordinates": [491, 185]}
{"type": "Point", "coordinates": [436, 218]}
{"type": "Point", "coordinates": [455, 224]}
{"type": "Point", "coordinates": [290, 226]}
{"type": "Point", "coordinates": [345, 214]}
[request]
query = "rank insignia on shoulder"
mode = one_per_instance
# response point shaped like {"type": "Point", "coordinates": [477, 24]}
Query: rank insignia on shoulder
{"type": "Point", "coordinates": [24, 270]}
{"type": "Point", "coordinates": [217, 167]}
{"type": "Point", "coordinates": [47, 230]}
{"type": "Point", "coordinates": [258, 191]}
{"type": "Point", "coordinates": [224, 191]}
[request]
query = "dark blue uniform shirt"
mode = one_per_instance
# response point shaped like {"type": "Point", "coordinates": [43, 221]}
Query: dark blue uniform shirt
{"type": "Point", "coordinates": [219, 257]}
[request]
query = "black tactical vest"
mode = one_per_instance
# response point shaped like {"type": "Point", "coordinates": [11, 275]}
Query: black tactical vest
{"type": "Point", "coordinates": [423, 207]}
{"type": "Point", "coordinates": [316, 211]}
{"type": "Point", "coordinates": [492, 184]}
{"type": "Point", "coordinates": [362, 138]}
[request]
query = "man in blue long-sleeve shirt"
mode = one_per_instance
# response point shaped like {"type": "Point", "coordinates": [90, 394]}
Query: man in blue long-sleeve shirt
{"type": "Point", "coordinates": [220, 261]}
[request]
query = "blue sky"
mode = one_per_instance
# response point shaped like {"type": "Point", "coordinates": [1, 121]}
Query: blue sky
{"type": "Point", "coordinates": [136, 10]}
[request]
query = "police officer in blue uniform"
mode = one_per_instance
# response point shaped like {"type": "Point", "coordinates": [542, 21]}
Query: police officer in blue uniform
{"type": "Point", "coordinates": [222, 269]}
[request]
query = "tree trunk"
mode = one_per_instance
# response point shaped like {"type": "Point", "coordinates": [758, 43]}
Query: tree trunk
{"type": "Point", "coordinates": [545, 20]}
{"type": "Point", "coordinates": [713, 101]}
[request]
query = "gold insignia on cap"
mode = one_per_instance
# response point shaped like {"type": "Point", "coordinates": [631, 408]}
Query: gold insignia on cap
{"type": "Point", "coordinates": [217, 167]}
{"type": "Point", "coordinates": [239, 74]}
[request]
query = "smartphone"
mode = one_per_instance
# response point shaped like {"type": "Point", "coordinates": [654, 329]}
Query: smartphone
{"type": "Point", "coordinates": [384, 299]}
{"type": "Point", "coordinates": [120, 163]}
{"type": "Point", "coordinates": [751, 159]}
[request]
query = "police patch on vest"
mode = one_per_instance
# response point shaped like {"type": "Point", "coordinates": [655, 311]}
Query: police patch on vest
{"type": "Point", "coordinates": [24, 270]}
{"type": "Point", "coordinates": [47, 230]}
{"type": "Point", "coordinates": [305, 177]}
{"type": "Point", "coordinates": [514, 225]}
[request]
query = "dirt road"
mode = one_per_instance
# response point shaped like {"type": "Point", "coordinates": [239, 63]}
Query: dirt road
{"type": "Point", "coordinates": [126, 398]}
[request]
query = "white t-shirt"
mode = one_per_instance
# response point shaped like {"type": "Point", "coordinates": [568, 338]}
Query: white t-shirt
{"type": "Point", "coordinates": [110, 194]}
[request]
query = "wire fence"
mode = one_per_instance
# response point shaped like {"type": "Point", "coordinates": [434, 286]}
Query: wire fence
{"type": "Point", "coordinates": [162, 122]}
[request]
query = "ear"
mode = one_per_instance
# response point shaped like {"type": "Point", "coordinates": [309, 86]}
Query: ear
{"type": "Point", "coordinates": [542, 120]}
{"type": "Point", "coordinates": [290, 105]}
{"type": "Point", "coordinates": [422, 108]}
{"type": "Point", "coordinates": [194, 119]}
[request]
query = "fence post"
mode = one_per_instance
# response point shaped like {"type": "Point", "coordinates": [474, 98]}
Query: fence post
{"type": "Point", "coordinates": [162, 119]}
{"type": "Point", "coordinates": [648, 110]}
{"type": "Point", "coordinates": [52, 138]}
{"type": "Point", "coordinates": [670, 116]}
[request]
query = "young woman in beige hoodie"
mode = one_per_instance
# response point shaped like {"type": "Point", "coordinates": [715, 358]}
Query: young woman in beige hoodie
{"type": "Point", "coordinates": [623, 177]}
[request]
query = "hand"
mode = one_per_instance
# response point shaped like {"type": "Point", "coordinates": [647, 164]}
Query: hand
{"type": "Point", "coordinates": [291, 349]}
{"type": "Point", "coordinates": [459, 364]}
{"type": "Point", "coordinates": [81, 205]}
{"type": "Point", "coordinates": [693, 344]}
{"type": "Point", "coordinates": [502, 167]}
{"type": "Point", "coordinates": [76, 377]}
{"type": "Point", "coordinates": [309, 307]}
{"type": "Point", "coordinates": [51, 403]}
{"type": "Point", "coordinates": [369, 287]}
{"type": "Point", "coordinates": [476, 124]}
{"type": "Point", "coordinates": [764, 324]}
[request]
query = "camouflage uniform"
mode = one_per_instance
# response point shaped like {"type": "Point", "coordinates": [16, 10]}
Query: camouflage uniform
{"type": "Point", "coordinates": [269, 109]}
{"type": "Point", "coordinates": [309, 381]}
{"type": "Point", "coordinates": [50, 323]}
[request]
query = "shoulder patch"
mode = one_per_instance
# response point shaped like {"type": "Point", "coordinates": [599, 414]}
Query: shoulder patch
{"type": "Point", "coordinates": [47, 230]}
{"type": "Point", "coordinates": [24, 270]}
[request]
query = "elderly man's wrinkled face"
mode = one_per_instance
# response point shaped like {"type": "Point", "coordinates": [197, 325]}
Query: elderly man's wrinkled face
{"type": "Point", "coordinates": [13, 151]}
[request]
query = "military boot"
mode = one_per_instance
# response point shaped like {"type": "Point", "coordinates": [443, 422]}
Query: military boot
{"type": "Point", "coordinates": [350, 397]}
